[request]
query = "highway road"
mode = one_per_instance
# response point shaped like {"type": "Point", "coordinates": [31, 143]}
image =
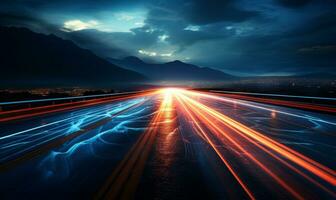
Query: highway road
{"type": "Point", "coordinates": [170, 144]}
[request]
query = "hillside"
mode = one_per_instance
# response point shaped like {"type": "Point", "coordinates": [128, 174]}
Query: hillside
{"type": "Point", "coordinates": [172, 71]}
{"type": "Point", "coordinates": [38, 59]}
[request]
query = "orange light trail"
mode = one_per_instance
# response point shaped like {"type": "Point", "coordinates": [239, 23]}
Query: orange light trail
{"type": "Point", "coordinates": [217, 129]}
{"type": "Point", "coordinates": [324, 173]}
{"type": "Point", "coordinates": [227, 131]}
{"type": "Point", "coordinates": [203, 134]}
{"type": "Point", "coordinates": [122, 183]}
{"type": "Point", "coordinates": [255, 161]}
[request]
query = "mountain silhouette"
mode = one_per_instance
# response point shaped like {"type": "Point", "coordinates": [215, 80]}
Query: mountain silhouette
{"type": "Point", "coordinates": [30, 58]}
{"type": "Point", "coordinates": [172, 71]}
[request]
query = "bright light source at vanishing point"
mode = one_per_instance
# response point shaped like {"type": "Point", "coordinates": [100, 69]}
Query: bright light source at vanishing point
{"type": "Point", "coordinates": [170, 90]}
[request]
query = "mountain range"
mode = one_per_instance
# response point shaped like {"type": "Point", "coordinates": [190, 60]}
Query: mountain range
{"type": "Point", "coordinates": [29, 58]}
{"type": "Point", "coordinates": [171, 71]}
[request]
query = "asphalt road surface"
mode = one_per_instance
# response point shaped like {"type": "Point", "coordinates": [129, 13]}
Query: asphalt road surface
{"type": "Point", "coordinates": [170, 144]}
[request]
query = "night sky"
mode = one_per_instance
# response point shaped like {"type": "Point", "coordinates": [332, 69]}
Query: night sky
{"type": "Point", "coordinates": [242, 37]}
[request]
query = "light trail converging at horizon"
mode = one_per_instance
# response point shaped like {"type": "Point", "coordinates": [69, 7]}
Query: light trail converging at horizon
{"type": "Point", "coordinates": [233, 148]}
{"type": "Point", "coordinates": [31, 138]}
{"type": "Point", "coordinates": [199, 113]}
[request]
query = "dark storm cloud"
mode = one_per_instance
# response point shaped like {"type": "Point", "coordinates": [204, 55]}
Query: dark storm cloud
{"type": "Point", "coordinates": [293, 3]}
{"type": "Point", "coordinates": [114, 44]}
{"type": "Point", "coordinates": [27, 19]}
{"type": "Point", "coordinates": [173, 17]}
{"type": "Point", "coordinates": [176, 15]}
{"type": "Point", "coordinates": [80, 4]}
{"type": "Point", "coordinates": [212, 11]}
{"type": "Point", "coordinates": [202, 12]}
{"type": "Point", "coordinates": [322, 27]}
{"type": "Point", "coordinates": [307, 47]}
{"type": "Point", "coordinates": [275, 55]}
{"type": "Point", "coordinates": [173, 24]}
{"type": "Point", "coordinates": [13, 18]}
